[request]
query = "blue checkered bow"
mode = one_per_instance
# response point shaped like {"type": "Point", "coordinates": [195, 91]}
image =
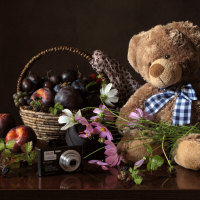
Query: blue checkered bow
{"type": "Point", "coordinates": [182, 109]}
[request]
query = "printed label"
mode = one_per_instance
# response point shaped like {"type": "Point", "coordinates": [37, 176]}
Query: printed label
{"type": "Point", "coordinates": [49, 155]}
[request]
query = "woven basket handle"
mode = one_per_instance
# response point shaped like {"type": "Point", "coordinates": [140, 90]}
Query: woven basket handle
{"type": "Point", "coordinates": [45, 52]}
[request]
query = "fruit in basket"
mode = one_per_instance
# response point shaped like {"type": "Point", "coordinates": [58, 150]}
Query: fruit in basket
{"type": "Point", "coordinates": [34, 78]}
{"type": "Point", "coordinates": [78, 85]}
{"type": "Point", "coordinates": [69, 76]}
{"type": "Point", "coordinates": [27, 85]}
{"type": "Point", "coordinates": [20, 98]}
{"type": "Point", "coordinates": [69, 98]}
{"type": "Point", "coordinates": [57, 88]}
{"type": "Point", "coordinates": [44, 95]}
{"type": "Point", "coordinates": [48, 84]}
{"type": "Point", "coordinates": [6, 123]}
{"type": "Point", "coordinates": [21, 134]}
{"type": "Point", "coordinates": [55, 79]}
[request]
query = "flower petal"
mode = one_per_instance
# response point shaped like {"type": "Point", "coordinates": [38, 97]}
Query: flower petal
{"type": "Point", "coordinates": [140, 112]}
{"type": "Point", "coordinates": [139, 163]}
{"type": "Point", "coordinates": [108, 87]}
{"type": "Point", "coordinates": [83, 136]}
{"type": "Point", "coordinates": [107, 101]}
{"type": "Point", "coordinates": [112, 93]}
{"type": "Point", "coordinates": [97, 111]}
{"type": "Point", "coordinates": [134, 115]}
{"type": "Point", "coordinates": [68, 112]}
{"type": "Point", "coordinates": [78, 114]}
{"type": "Point", "coordinates": [114, 99]}
{"type": "Point", "coordinates": [110, 152]}
{"type": "Point", "coordinates": [63, 119]}
{"type": "Point", "coordinates": [104, 168]}
{"type": "Point", "coordinates": [98, 162]}
{"type": "Point", "coordinates": [68, 126]}
{"type": "Point", "coordinates": [112, 160]}
{"type": "Point", "coordinates": [94, 118]}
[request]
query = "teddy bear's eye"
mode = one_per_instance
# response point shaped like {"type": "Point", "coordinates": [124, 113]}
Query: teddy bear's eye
{"type": "Point", "coordinates": [149, 64]}
{"type": "Point", "coordinates": [167, 56]}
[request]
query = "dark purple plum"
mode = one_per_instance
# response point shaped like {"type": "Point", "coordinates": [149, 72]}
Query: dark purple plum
{"type": "Point", "coordinates": [27, 85]}
{"type": "Point", "coordinates": [57, 88]}
{"type": "Point", "coordinates": [78, 85]}
{"type": "Point", "coordinates": [34, 78]}
{"type": "Point", "coordinates": [69, 98]}
{"type": "Point", "coordinates": [55, 79]}
{"type": "Point", "coordinates": [69, 76]}
{"type": "Point", "coordinates": [48, 84]}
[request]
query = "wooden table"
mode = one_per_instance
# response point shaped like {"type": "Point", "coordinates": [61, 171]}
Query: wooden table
{"type": "Point", "coordinates": [96, 184]}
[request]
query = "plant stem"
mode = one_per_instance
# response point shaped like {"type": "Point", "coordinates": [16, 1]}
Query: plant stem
{"type": "Point", "coordinates": [163, 139]}
{"type": "Point", "coordinates": [93, 152]}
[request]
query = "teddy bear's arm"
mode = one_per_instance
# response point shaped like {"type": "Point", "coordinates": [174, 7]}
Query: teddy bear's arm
{"type": "Point", "coordinates": [136, 101]}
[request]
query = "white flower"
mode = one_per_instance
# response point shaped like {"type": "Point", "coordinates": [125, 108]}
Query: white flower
{"type": "Point", "coordinates": [109, 95]}
{"type": "Point", "coordinates": [68, 119]}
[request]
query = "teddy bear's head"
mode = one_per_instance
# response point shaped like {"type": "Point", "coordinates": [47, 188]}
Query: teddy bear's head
{"type": "Point", "coordinates": [167, 55]}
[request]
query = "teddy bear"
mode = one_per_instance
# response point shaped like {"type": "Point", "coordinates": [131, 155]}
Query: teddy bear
{"type": "Point", "coordinates": [168, 59]}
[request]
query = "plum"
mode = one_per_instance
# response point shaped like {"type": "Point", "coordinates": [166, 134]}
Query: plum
{"type": "Point", "coordinates": [48, 84]}
{"type": "Point", "coordinates": [78, 85]}
{"type": "Point", "coordinates": [69, 98]}
{"type": "Point", "coordinates": [45, 95]}
{"type": "Point", "coordinates": [34, 78]}
{"type": "Point", "coordinates": [69, 76]}
{"type": "Point", "coordinates": [55, 79]}
{"type": "Point", "coordinates": [27, 85]}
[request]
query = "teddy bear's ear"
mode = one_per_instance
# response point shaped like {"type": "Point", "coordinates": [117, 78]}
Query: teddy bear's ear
{"type": "Point", "coordinates": [189, 30]}
{"type": "Point", "coordinates": [132, 51]}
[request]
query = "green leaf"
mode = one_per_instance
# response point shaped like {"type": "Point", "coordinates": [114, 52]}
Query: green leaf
{"type": "Point", "coordinates": [156, 162]}
{"type": "Point", "coordinates": [6, 153]}
{"type": "Point", "coordinates": [33, 156]}
{"type": "Point", "coordinates": [130, 170]}
{"type": "Point", "coordinates": [137, 179]}
{"type": "Point", "coordinates": [27, 148]}
{"type": "Point", "coordinates": [10, 144]}
{"type": "Point", "coordinates": [53, 110]}
{"type": "Point", "coordinates": [59, 106]}
{"type": "Point", "coordinates": [149, 148]}
{"type": "Point", "coordinates": [2, 145]}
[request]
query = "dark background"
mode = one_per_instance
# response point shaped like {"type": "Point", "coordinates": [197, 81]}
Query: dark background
{"type": "Point", "coordinates": [29, 26]}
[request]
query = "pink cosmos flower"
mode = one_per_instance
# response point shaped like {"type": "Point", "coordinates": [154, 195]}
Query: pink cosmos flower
{"type": "Point", "coordinates": [88, 131]}
{"type": "Point", "coordinates": [102, 131]}
{"type": "Point", "coordinates": [112, 158]}
{"type": "Point", "coordinates": [139, 113]}
{"type": "Point", "coordinates": [102, 113]}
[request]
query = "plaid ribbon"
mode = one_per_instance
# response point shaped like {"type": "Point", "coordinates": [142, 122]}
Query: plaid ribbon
{"type": "Point", "coordinates": [182, 109]}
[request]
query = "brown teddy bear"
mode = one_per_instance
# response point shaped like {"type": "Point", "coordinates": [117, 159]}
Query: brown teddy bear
{"type": "Point", "coordinates": [168, 58]}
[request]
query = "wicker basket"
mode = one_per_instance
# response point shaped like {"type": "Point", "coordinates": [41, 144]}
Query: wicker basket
{"type": "Point", "coordinates": [45, 125]}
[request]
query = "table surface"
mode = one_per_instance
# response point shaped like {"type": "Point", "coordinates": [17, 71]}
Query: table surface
{"type": "Point", "coordinates": [96, 183]}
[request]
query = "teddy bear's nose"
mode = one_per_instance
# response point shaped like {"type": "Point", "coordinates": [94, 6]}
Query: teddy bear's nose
{"type": "Point", "coordinates": [156, 70]}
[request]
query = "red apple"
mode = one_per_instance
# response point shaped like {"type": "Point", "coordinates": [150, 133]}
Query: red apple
{"type": "Point", "coordinates": [21, 134]}
{"type": "Point", "coordinates": [46, 96]}
{"type": "Point", "coordinates": [6, 123]}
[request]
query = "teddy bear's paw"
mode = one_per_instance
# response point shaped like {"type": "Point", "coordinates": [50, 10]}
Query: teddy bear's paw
{"type": "Point", "coordinates": [132, 146]}
{"type": "Point", "coordinates": [187, 153]}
